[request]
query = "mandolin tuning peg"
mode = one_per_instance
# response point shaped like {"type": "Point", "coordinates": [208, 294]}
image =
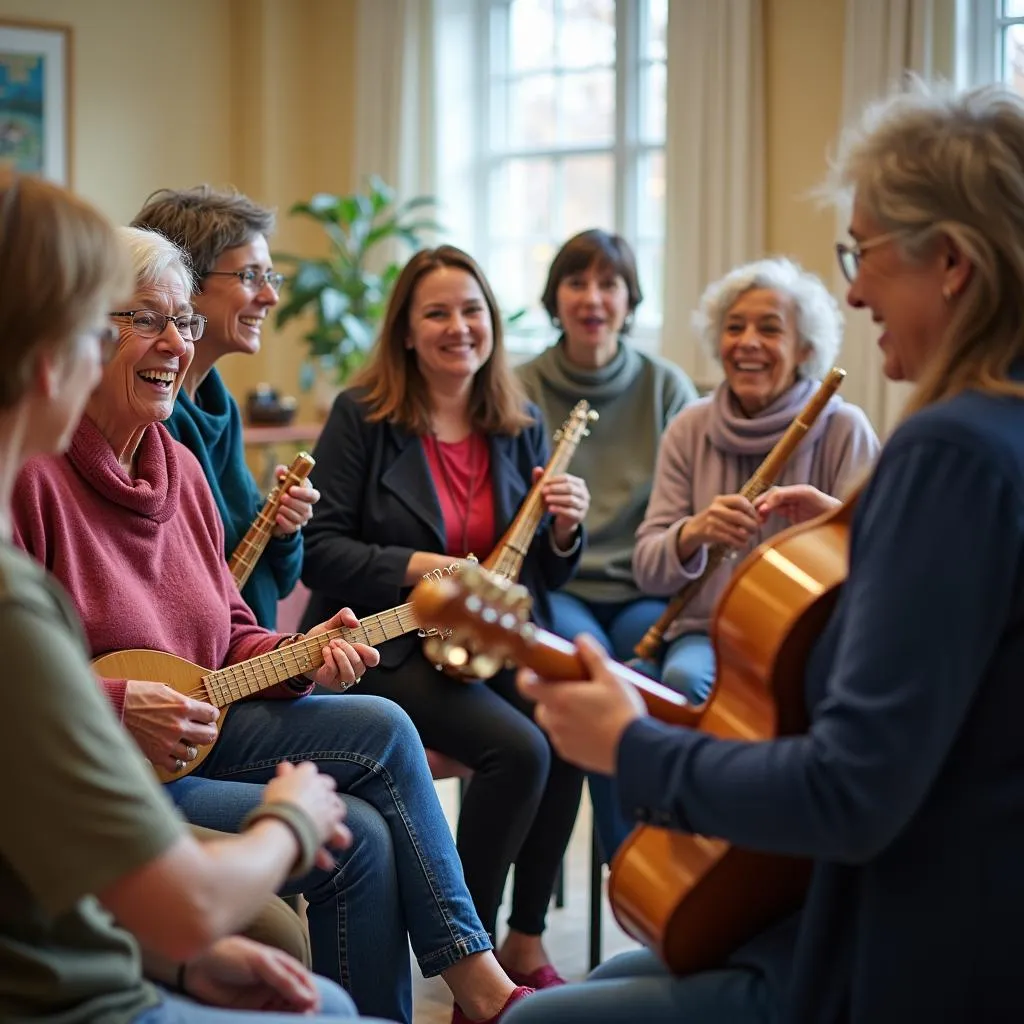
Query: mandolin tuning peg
{"type": "Point", "coordinates": [484, 665]}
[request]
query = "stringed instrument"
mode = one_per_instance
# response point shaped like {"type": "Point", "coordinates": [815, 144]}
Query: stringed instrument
{"type": "Point", "coordinates": [693, 899]}
{"type": "Point", "coordinates": [223, 687]}
{"type": "Point", "coordinates": [252, 545]}
{"type": "Point", "coordinates": [506, 560]}
{"type": "Point", "coordinates": [649, 646]}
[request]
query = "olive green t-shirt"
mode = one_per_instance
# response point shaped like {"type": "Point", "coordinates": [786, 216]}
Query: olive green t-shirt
{"type": "Point", "coordinates": [79, 808]}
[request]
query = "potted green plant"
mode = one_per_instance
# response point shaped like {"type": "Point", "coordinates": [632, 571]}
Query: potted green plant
{"type": "Point", "coordinates": [345, 292]}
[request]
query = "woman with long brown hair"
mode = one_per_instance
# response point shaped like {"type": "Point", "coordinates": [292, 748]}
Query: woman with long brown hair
{"type": "Point", "coordinates": [426, 458]}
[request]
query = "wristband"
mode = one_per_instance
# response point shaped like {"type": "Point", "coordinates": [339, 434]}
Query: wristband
{"type": "Point", "coordinates": [302, 826]}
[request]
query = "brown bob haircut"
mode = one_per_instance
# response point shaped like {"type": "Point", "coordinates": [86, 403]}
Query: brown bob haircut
{"type": "Point", "coordinates": [61, 262]}
{"type": "Point", "coordinates": [397, 391]}
{"type": "Point", "coordinates": [588, 249]}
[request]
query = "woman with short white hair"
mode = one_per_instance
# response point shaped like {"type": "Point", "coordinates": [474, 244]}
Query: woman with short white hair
{"type": "Point", "coordinates": [775, 330]}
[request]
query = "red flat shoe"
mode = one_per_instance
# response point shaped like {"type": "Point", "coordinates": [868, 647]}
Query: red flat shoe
{"type": "Point", "coordinates": [458, 1017]}
{"type": "Point", "coordinates": [543, 977]}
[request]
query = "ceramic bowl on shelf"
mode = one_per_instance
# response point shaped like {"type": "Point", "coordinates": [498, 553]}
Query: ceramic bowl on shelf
{"type": "Point", "coordinates": [265, 408]}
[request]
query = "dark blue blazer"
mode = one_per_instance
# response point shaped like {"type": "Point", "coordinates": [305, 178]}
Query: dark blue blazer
{"type": "Point", "coordinates": [378, 505]}
{"type": "Point", "coordinates": [907, 791]}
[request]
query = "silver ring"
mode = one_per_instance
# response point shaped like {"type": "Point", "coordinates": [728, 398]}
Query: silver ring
{"type": "Point", "coordinates": [178, 764]}
{"type": "Point", "coordinates": [191, 752]}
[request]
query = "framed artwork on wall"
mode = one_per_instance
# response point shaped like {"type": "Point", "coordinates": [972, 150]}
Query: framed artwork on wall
{"type": "Point", "coordinates": [35, 98]}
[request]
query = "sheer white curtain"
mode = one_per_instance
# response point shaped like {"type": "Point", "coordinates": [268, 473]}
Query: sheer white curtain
{"type": "Point", "coordinates": [715, 159]}
{"type": "Point", "coordinates": [884, 40]}
{"type": "Point", "coordinates": [395, 108]}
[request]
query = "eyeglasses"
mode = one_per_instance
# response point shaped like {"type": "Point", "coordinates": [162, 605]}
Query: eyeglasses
{"type": "Point", "coordinates": [147, 323]}
{"type": "Point", "coordinates": [850, 255]}
{"type": "Point", "coordinates": [253, 278]}
{"type": "Point", "coordinates": [108, 338]}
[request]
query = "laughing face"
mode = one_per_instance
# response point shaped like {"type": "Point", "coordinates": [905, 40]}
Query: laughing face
{"type": "Point", "coordinates": [142, 380]}
{"type": "Point", "coordinates": [236, 311]}
{"type": "Point", "coordinates": [450, 327]}
{"type": "Point", "coordinates": [760, 348]}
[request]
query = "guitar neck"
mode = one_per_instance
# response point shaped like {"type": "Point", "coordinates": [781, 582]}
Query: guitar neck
{"type": "Point", "coordinates": [254, 543]}
{"type": "Point", "coordinates": [248, 678]}
{"type": "Point", "coordinates": [510, 552]}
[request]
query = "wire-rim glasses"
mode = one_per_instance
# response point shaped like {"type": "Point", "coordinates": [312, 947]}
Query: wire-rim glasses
{"type": "Point", "coordinates": [850, 255]}
{"type": "Point", "coordinates": [253, 279]}
{"type": "Point", "coordinates": [148, 323]}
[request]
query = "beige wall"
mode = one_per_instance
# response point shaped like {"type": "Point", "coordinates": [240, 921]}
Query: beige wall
{"type": "Point", "coordinates": [804, 71]}
{"type": "Point", "coordinates": [267, 105]}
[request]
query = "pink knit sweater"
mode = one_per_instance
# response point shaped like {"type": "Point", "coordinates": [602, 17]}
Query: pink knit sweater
{"type": "Point", "coordinates": [141, 558]}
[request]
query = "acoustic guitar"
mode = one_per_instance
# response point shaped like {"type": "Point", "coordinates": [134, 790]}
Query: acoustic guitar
{"type": "Point", "coordinates": [223, 687]}
{"type": "Point", "coordinates": [690, 898]}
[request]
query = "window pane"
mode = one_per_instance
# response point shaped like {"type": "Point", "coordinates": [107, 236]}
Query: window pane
{"type": "Point", "coordinates": [650, 261]}
{"type": "Point", "coordinates": [651, 200]}
{"type": "Point", "coordinates": [522, 199]}
{"type": "Point", "coordinates": [531, 34]}
{"type": "Point", "coordinates": [1013, 8]}
{"type": "Point", "coordinates": [652, 103]}
{"type": "Point", "coordinates": [588, 107]}
{"type": "Point", "coordinates": [531, 111]}
{"type": "Point", "coordinates": [655, 30]}
{"type": "Point", "coordinates": [1013, 58]}
{"type": "Point", "coordinates": [517, 271]}
{"type": "Point", "coordinates": [586, 33]}
{"type": "Point", "coordinates": [587, 193]}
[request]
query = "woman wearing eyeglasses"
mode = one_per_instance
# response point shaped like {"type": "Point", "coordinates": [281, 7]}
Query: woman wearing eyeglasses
{"type": "Point", "coordinates": [225, 236]}
{"type": "Point", "coordinates": [775, 330]}
{"type": "Point", "coordinates": [126, 522]}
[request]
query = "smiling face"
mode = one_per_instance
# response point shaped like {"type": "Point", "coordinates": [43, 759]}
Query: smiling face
{"type": "Point", "coordinates": [450, 327]}
{"type": "Point", "coordinates": [236, 312]}
{"type": "Point", "coordinates": [140, 383]}
{"type": "Point", "coordinates": [904, 298]}
{"type": "Point", "coordinates": [592, 307]}
{"type": "Point", "coordinates": [760, 348]}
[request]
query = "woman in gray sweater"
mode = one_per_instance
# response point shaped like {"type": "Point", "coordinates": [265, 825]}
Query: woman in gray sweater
{"type": "Point", "coordinates": [591, 295]}
{"type": "Point", "coordinates": [776, 330]}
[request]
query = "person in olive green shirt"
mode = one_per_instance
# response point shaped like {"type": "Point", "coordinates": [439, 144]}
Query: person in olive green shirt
{"type": "Point", "coordinates": [89, 837]}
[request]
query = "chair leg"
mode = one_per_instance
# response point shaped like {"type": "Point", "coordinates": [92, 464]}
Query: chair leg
{"type": "Point", "coordinates": [596, 895]}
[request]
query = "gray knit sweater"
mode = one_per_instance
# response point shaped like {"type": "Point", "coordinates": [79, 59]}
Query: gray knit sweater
{"type": "Point", "coordinates": [636, 396]}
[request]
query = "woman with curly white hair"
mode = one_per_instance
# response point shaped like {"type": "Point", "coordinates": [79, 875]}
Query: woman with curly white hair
{"type": "Point", "coordinates": [775, 330]}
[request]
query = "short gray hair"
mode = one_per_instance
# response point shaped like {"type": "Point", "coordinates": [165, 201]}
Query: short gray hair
{"type": "Point", "coordinates": [153, 255]}
{"type": "Point", "coordinates": [819, 322]}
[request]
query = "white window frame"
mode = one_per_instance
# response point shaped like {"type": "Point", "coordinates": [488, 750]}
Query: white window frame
{"type": "Point", "coordinates": [979, 43]}
{"type": "Point", "coordinates": [627, 151]}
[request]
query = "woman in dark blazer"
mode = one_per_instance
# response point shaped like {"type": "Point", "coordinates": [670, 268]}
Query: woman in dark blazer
{"type": "Point", "coordinates": [426, 459]}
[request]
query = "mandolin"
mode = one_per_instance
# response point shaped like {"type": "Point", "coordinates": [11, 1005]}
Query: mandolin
{"type": "Point", "coordinates": [252, 545]}
{"type": "Point", "coordinates": [690, 898]}
{"type": "Point", "coordinates": [223, 687]}
{"type": "Point", "coordinates": [506, 560]}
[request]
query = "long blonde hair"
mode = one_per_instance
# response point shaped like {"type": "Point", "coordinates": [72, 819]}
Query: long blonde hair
{"type": "Point", "coordinates": [929, 162]}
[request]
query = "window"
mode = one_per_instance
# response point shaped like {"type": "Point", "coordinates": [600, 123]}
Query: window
{"type": "Point", "coordinates": [570, 134]}
{"type": "Point", "coordinates": [992, 49]}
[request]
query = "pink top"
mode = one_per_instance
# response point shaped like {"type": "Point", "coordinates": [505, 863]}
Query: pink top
{"type": "Point", "coordinates": [462, 479]}
{"type": "Point", "coordinates": [141, 558]}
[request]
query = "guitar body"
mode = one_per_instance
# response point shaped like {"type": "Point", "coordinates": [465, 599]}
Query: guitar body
{"type": "Point", "coordinates": [159, 667]}
{"type": "Point", "coordinates": [691, 899]}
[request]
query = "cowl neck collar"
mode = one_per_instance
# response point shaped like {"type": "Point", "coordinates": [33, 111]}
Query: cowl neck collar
{"type": "Point", "coordinates": [153, 493]}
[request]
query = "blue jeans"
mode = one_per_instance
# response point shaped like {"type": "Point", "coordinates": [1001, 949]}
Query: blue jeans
{"type": "Point", "coordinates": [401, 877]}
{"type": "Point", "coordinates": [637, 987]}
{"type": "Point", "coordinates": [176, 1009]}
{"type": "Point", "coordinates": [618, 628]}
{"type": "Point", "coordinates": [689, 666]}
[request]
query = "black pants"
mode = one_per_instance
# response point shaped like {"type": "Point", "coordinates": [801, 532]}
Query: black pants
{"type": "Point", "coordinates": [521, 805]}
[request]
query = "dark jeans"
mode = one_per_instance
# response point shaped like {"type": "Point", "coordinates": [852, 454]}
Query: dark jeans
{"type": "Point", "coordinates": [617, 627]}
{"type": "Point", "coordinates": [521, 804]}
